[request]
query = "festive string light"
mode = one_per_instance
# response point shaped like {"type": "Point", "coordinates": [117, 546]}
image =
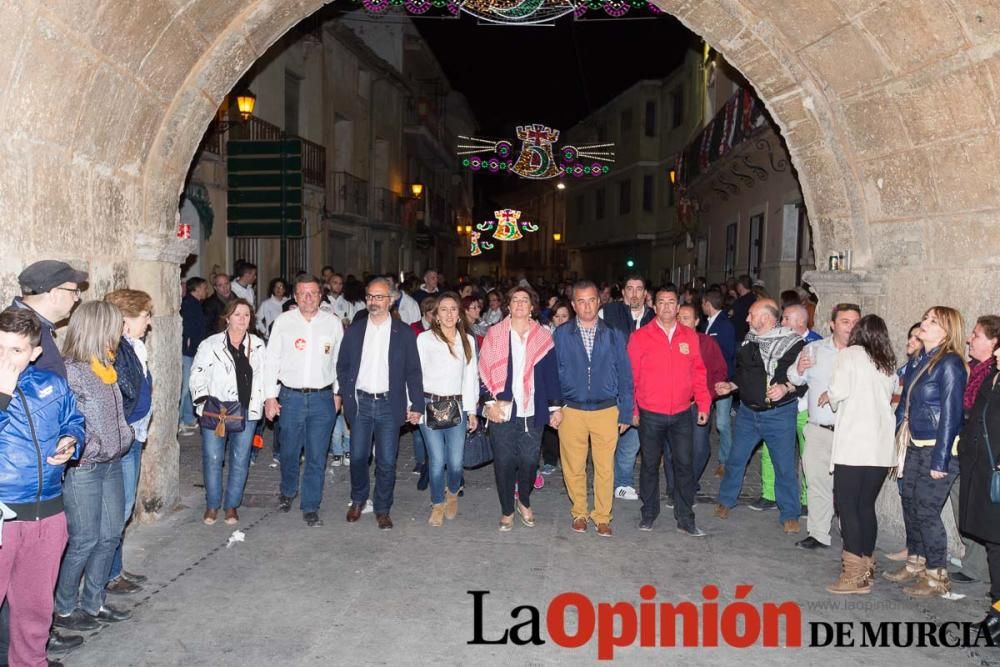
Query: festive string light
{"type": "Point", "coordinates": [513, 12]}
{"type": "Point", "coordinates": [538, 158]}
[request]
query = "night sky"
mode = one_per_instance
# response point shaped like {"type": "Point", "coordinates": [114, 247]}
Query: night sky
{"type": "Point", "coordinates": [557, 75]}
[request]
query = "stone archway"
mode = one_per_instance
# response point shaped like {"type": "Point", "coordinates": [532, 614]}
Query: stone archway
{"type": "Point", "coordinates": [890, 115]}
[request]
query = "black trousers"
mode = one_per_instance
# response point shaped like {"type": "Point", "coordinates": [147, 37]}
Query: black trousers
{"type": "Point", "coordinates": [515, 459]}
{"type": "Point", "coordinates": [993, 556]}
{"type": "Point", "coordinates": [550, 446]}
{"type": "Point", "coordinates": [855, 489]}
{"type": "Point", "coordinates": [658, 436]}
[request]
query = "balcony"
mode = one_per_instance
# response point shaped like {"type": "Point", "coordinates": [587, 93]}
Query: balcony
{"type": "Point", "coordinates": [350, 194]}
{"type": "Point", "coordinates": [255, 129]}
{"type": "Point", "coordinates": [387, 206]}
{"type": "Point", "coordinates": [428, 138]}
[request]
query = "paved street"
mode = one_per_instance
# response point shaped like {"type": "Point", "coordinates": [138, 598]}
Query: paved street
{"type": "Point", "coordinates": [345, 593]}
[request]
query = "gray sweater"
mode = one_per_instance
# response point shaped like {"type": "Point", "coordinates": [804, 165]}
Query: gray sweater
{"type": "Point", "coordinates": [109, 436]}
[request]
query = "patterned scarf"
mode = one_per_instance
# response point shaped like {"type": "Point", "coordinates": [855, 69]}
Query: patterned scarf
{"type": "Point", "coordinates": [773, 345]}
{"type": "Point", "coordinates": [496, 352]}
{"type": "Point", "coordinates": [979, 373]}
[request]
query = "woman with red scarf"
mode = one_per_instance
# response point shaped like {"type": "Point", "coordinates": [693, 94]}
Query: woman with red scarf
{"type": "Point", "coordinates": [518, 370]}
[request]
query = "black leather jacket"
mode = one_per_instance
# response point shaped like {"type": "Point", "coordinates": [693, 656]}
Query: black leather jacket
{"type": "Point", "coordinates": [936, 411]}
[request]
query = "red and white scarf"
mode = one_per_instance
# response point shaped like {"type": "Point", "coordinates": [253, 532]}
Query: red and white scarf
{"type": "Point", "coordinates": [494, 356]}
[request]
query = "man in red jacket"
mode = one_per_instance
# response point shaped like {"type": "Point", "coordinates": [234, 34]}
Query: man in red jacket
{"type": "Point", "coordinates": [667, 371]}
{"type": "Point", "coordinates": [717, 371]}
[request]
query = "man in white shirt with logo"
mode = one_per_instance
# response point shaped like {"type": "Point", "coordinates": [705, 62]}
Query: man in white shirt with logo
{"type": "Point", "coordinates": [302, 358]}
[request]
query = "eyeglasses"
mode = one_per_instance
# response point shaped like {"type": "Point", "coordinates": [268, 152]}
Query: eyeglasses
{"type": "Point", "coordinates": [74, 290]}
{"type": "Point", "coordinates": [376, 297]}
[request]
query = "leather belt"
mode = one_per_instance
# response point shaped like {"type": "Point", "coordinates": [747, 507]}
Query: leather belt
{"type": "Point", "coordinates": [435, 397]}
{"type": "Point", "coordinates": [307, 390]}
{"type": "Point", "coordinates": [378, 396]}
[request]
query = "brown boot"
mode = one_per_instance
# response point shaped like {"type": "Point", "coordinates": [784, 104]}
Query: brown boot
{"type": "Point", "coordinates": [450, 505]}
{"type": "Point", "coordinates": [934, 583]}
{"type": "Point", "coordinates": [853, 576]}
{"type": "Point", "coordinates": [437, 515]}
{"type": "Point", "coordinates": [912, 569]}
{"type": "Point", "coordinates": [869, 567]}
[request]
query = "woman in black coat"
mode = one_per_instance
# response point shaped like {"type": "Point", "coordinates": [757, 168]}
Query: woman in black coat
{"type": "Point", "coordinates": [979, 517]}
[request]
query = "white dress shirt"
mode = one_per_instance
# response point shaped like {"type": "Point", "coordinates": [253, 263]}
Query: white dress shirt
{"type": "Point", "coordinates": [268, 313]}
{"type": "Point", "coordinates": [711, 321]}
{"type": "Point", "coordinates": [373, 374]}
{"type": "Point", "coordinates": [243, 292]}
{"type": "Point", "coordinates": [301, 354]}
{"type": "Point", "coordinates": [409, 310]}
{"type": "Point", "coordinates": [817, 376]}
{"type": "Point", "coordinates": [446, 372]}
{"type": "Point", "coordinates": [518, 353]}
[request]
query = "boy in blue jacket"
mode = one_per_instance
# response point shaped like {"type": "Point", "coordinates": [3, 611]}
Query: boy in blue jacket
{"type": "Point", "coordinates": [40, 428]}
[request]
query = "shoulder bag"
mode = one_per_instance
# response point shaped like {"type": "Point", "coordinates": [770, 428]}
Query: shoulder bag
{"type": "Point", "coordinates": [995, 474]}
{"type": "Point", "coordinates": [442, 412]}
{"type": "Point", "coordinates": [223, 417]}
{"type": "Point", "coordinates": [903, 438]}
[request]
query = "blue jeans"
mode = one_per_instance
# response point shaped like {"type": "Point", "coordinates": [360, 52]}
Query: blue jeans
{"type": "Point", "coordinates": [340, 444]}
{"type": "Point", "coordinates": [306, 423]}
{"type": "Point", "coordinates": [724, 425]}
{"type": "Point", "coordinates": [419, 447]}
{"type": "Point", "coordinates": [213, 453]}
{"type": "Point", "coordinates": [187, 415]}
{"type": "Point", "coordinates": [702, 449]}
{"type": "Point", "coordinates": [376, 422]}
{"type": "Point", "coordinates": [93, 496]}
{"type": "Point", "coordinates": [667, 437]}
{"type": "Point", "coordinates": [131, 464]}
{"type": "Point", "coordinates": [625, 453]}
{"type": "Point", "coordinates": [776, 427]}
{"type": "Point", "coordinates": [445, 447]}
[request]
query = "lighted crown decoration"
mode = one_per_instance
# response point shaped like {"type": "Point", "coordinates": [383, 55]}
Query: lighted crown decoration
{"type": "Point", "coordinates": [508, 226]}
{"type": "Point", "coordinates": [514, 12]}
{"type": "Point", "coordinates": [537, 158]}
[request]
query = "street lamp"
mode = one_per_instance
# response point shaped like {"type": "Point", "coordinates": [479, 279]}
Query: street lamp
{"type": "Point", "coordinates": [245, 102]}
{"type": "Point", "coordinates": [560, 186]}
{"type": "Point", "coordinates": [416, 189]}
{"type": "Point", "coordinates": [557, 237]}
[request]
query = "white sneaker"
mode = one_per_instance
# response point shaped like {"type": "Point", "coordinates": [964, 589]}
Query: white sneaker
{"type": "Point", "coordinates": [368, 508]}
{"type": "Point", "coordinates": [626, 493]}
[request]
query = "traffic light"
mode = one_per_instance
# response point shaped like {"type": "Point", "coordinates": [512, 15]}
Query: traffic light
{"type": "Point", "coordinates": [630, 263]}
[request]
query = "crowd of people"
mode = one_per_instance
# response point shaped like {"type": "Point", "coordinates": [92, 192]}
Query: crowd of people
{"type": "Point", "coordinates": [553, 375]}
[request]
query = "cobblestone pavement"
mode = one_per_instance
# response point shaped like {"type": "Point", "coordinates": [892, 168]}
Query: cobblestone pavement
{"type": "Point", "coordinates": [351, 594]}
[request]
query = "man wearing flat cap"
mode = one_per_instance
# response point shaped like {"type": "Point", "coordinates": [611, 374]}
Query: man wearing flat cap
{"type": "Point", "coordinates": [51, 289]}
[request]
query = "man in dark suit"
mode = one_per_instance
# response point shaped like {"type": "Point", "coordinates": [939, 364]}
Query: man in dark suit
{"type": "Point", "coordinates": [628, 316]}
{"type": "Point", "coordinates": [721, 330]}
{"type": "Point", "coordinates": [378, 371]}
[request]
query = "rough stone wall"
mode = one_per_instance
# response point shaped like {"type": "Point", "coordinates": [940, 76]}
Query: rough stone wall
{"type": "Point", "coordinates": [889, 110]}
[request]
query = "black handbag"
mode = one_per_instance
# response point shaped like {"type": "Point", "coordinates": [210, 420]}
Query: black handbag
{"type": "Point", "coordinates": [442, 412]}
{"type": "Point", "coordinates": [995, 478]}
{"type": "Point", "coordinates": [478, 448]}
{"type": "Point", "coordinates": [223, 417]}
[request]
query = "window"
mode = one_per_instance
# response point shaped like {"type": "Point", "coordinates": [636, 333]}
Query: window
{"type": "Point", "coordinates": [650, 120]}
{"type": "Point", "coordinates": [756, 244]}
{"type": "Point", "coordinates": [599, 204]}
{"type": "Point", "coordinates": [624, 197]}
{"type": "Point", "coordinates": [647, 193]}
{"type": "Point", "coordinates": [293, 85]}
{"type": "Point", "coordinates": [626, 121]}
{"type": "Point", "coordinates": [677, 104]}
{"type": "Point", "coordinates": [731, 249]}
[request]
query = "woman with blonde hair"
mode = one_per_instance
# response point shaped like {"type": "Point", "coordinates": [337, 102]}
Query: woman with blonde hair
{"type": "Point", "coordinates": [451, 381]}
{"type": "Point", "coordinates": [929, 417]}
{"type": "Point", "coordinates": [136, 385]}
{"type": "Point", "coordinates": [94, 488]}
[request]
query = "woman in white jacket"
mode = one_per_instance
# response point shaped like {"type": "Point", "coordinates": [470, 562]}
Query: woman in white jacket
{"type": "Point", "coordinates": [229, 366]}
{"type": "Point", "coordinates": [450, 373]}
{"type": "Point", "coordinates": [860, 393]}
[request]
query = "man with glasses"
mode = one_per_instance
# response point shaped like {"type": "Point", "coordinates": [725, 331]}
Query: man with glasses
{"type": "Point", "coordinates": [301, 357]}
{"type": "Point", "coordinates": [51, 289]}
{"type": "Point", "coordinates": [382, 388]}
